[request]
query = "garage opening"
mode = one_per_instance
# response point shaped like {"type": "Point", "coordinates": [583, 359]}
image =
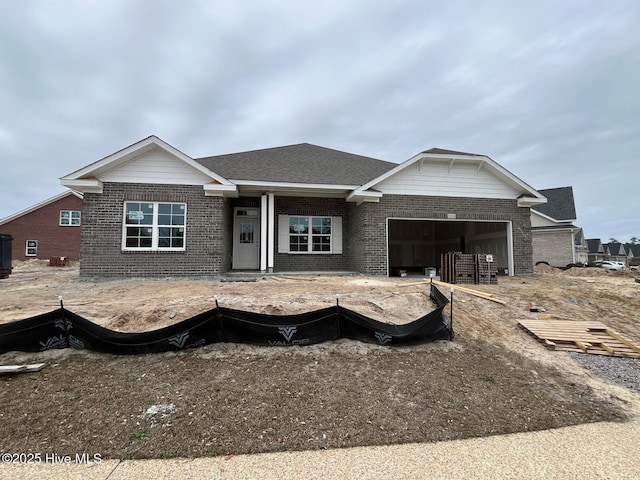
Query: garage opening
{"type": "Point", "coordinates": [415, 245]}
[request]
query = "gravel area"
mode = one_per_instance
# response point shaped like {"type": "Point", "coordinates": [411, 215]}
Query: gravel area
{"type": "Point", "coordinates": [619, 370]}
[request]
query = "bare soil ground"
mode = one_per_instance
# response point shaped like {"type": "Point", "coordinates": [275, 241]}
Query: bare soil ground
{"type": "Point", "coordinates": [228, 399]}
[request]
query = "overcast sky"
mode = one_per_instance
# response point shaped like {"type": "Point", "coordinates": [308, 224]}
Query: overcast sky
{"type": "Point", "coordinates": [548, 89]}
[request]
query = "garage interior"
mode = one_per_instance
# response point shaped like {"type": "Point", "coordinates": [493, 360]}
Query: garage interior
{"type": "Point", "coordinates": [415, 245]}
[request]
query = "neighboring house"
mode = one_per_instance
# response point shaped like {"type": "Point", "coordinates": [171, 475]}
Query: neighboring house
{"type": "Point", "coordinates": [556, 240]}
{"type": "Point", "coordinates": [633, 253]}
{"type": "Point", "coordinates": [615, 251]}
{"type": "Point", "coordinates": [48, 229]}
{"type": "Point", "coordinates": [152, 210]}
{"type": "Point", "coordinates": [596, 250]}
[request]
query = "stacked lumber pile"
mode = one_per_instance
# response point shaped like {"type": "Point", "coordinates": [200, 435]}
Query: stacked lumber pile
{"type": "Point", "coordinates": [465, 268]}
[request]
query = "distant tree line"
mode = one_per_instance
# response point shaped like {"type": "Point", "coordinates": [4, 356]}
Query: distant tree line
{"type": "Point", "coordinates": [632, 240]}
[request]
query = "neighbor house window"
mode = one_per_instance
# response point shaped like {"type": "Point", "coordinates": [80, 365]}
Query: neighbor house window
{"type": "Point", "coordinates": [154, 226]}
{"type": "Point", "coordinates": [70, 218]}
{"type": "Point", "coordinates": [32, 248]}
{"type": "Point", "coordinates": [307, 234]}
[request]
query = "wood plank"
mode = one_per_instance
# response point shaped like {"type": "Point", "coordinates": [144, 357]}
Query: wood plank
{"type": "Point", "coordinates": [582, 345]}
{"type": "Point", "coordinates": [578, 336]}
{"type": "Point", "coordinates": [486, 296]}
{"type": "Point", "coordinates": [11, 369]}
{"type": "Point", "coordinates": [621, 339]}
{"type": "Point", "coordinates": [606, 347]}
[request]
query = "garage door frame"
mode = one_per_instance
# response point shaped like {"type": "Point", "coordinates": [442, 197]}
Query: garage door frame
{"type": "Point", "coordinates": [509, 224]}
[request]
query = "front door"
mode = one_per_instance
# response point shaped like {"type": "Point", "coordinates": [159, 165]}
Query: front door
{"type": "Point", "coordinates": [246, 239]}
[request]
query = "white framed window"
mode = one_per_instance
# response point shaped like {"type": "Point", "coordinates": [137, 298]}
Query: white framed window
{"type": "Point", "coordinates": [70, 218]}
{"type": "Point", "coordinates": [304, 234]}
{"type": "Point", "coordinates": [154, 226]}
{"type": "Point", "coordinates": [31, 248]}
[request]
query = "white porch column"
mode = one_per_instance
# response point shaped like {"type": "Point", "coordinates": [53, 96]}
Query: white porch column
{"type": "Point", "coordinates": [263, 233]}
{"type": "Point", "coordinates": [272, 231]}
{"type": "Point", "coordinates": [510, 248]}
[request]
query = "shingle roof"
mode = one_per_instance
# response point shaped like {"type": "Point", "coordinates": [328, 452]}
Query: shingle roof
{"type": "Point", "coordinates": [593, 245]}
{"type": "Point", "coordinates": [634, 249]}
{"type": "Point", "coordinates": [560, 204]}
{"type": "Point", "coordinates": [301, 163]}
{"type": "Point", "coordinates": [442, 151]}
{"type": "Point", "coordinates": [614, 248]}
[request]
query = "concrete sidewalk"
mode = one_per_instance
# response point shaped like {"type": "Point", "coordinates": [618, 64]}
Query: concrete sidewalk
{"type": "Point", "coordinates": [598, 450]}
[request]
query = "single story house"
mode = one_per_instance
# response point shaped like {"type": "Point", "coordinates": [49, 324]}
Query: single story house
{"type": "Point", "coordinates": [47, 229]}
{"type": "Point", "coordinates": [633, 253]}
{"type": "Point", "coordinates": [615, 251]}
{"type": "Point", "coordinates": [556, 240]}
{"type": "Point", "coordinates": [596, 250]}
{"type": "Point", "coordinates": [151, 210]}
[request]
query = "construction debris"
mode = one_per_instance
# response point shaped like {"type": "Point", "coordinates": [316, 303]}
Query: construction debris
{"type": "Point", "coordinates": [11, 369]}
{"type": "Point", "coordinates": [578, 336]}
{"type": "Point", "coordinates": [458, 288]}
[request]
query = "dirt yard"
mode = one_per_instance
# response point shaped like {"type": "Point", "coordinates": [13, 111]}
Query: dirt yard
{"type": "Point", "coordinates": [228, 399]}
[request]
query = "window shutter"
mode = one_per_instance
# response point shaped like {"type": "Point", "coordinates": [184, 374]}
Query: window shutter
{"type": "Point", "coordinates": [336, 234]}
{"type": "Point", "coordinates": [283, 233]}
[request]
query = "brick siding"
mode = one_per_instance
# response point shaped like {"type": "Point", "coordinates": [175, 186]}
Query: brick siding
{"type": "Point", "coordinates": [102, 256]}
{"type": "Point", "coordinates": [555, 248]}
{"type": "Point", "coordinates": [43, 225]}
{"type": "Point", "coordinates": [321, 207]}
{"type": "Point", "coordinates": [367, 226]}
{"type": "Point", "coordinates": [209, 231]}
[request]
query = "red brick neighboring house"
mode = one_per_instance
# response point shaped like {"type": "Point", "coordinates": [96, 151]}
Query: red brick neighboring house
{"type": "Point", "coordinates": [48, 229]}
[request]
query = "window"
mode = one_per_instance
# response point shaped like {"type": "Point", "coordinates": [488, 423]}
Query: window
{"type": "Point", "coordinates": [69, 218]}
{"type": "Point", "coordinates": [154, 226]}
{"type": "Point", "coordinates": [306, 234]}
{"type": "Point", "coordinates": [32, 248]}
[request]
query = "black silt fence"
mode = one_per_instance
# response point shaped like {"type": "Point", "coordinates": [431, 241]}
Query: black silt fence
{"type": "Point", "coordinates": [62, 328]}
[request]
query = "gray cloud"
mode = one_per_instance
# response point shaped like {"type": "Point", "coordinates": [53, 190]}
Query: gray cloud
{"type": "Point", "coordinates": [547, 89]}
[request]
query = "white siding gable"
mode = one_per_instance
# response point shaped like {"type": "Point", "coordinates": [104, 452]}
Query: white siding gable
{"type": "Point", "coordinates": [156, 166]}
{"type": "Point", "coordinates": [444, 180]}
{"type": "Point", "coordinates": [540, 221]}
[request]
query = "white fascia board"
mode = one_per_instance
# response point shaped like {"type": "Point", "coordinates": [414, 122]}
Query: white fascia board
{"type": "Point", "coordinates": [35, 207]}
{"type": "Point", "coordinates": [294, 189]}
{"type": "Point", "coordinates": [84, 185]}
{"type": "Point", "coordinates": [133, 151]}
{"type": "Point", "coordinates": [554, 220]}
{"type": "Point", "coordinates": [300, 186]}
{"type": "Point", "coordinates": [559, 228]}
{"type": "Point", "coordinates": [218, 190]}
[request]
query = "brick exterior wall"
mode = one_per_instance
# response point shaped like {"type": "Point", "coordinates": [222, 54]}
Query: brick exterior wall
{"type": "Point", "coordinates": [209, 233]}
{"type": "Point", "coordinates": [207, 222]}
{"type": "Point", "coordinates": [44, 226]}
{"type": "Point", "coordinates": [555, 248]}
{"type": "Point", "coordinates": [286, 262]}
{"type": "Point", "coordinates": [367, 226]}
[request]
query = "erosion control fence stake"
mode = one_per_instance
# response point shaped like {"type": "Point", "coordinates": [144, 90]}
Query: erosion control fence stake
{"type": "Point", "coordinates": [337, 316]}
{"type": "Point", "coordinates": [224, 337]}
{"type": "Point", "coordinates": [451, 307]}
{"type": "Point", "coordinates": [64, 322]}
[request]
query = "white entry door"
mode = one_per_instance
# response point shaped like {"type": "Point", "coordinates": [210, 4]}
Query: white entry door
{"type": "Point", "coordinates": [246, 239]}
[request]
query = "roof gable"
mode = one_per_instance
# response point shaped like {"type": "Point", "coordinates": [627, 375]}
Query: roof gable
{"type": "Point", "coordinates": [302, 163]}
{"type": "Point", "coordinates": [594, 245]}
{"type": "Point", "coordinates": [633, 250]}
{"type": "Point", "coordinates": [441, 172]}
{"type": "Point", "coordinates": [37, 206]}
{"type": "Point", "coordinates": [138, 158]}
{"type": "Point", "coordinates": [560, 204]}
{"type": "Point", "coordinates": [614, 248]}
